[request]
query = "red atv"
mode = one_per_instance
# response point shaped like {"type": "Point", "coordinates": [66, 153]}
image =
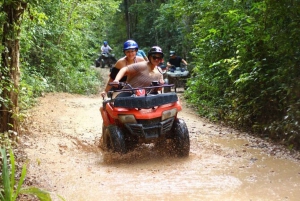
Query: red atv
{"type": "Point", "coordinates": [143, 116]}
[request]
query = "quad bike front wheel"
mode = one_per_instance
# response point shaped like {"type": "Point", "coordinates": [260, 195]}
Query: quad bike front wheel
{"type": "Point", "coordinates": [102, 63]}
{"type": "Point", "coordinates": [181, 138]}
{"type": "Point", "coordinates": [113, 139]}
{"type": "Point", "coordinates": [97, 63]}
{"type": "Point", "coordinates": [104, 142]}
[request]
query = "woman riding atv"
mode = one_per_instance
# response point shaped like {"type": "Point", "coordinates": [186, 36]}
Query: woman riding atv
{"type": "Point", "coordinates": [130, 49]}
{"type": "Point", "coordinates": [144, 73]}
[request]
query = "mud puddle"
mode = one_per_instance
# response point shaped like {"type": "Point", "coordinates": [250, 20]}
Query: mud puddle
{"type": "Point", "coordinates": [62, 139]}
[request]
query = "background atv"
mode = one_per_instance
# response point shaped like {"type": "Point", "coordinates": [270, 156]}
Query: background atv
{"type": "Point", "coordinates": [105, 59]}
{"type": "Point", "coordinates": [143, 117]}
{"type": "Point", "coordinates": [178, 76]}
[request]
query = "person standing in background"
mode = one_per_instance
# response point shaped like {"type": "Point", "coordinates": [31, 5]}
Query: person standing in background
{"type": "Point", "coordinates": [141, 53]}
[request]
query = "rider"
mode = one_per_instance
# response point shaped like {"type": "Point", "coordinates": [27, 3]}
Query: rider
{"type": "Point", "coordinates": [144, 73]}
{"type": "Point", "coordinates": [105, 48]}
{"type": "Point", "coordinates": [141, 53]}
{"type": "Point", "coordinates": [175, 60]}
{"type": "Point", "coordinates": [130, 48]}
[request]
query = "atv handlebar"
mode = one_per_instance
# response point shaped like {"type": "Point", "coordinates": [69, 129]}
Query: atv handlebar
{"type": "Point", "coordinates": [155, 85]}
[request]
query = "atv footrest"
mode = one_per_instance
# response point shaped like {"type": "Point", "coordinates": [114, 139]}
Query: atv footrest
{"type": "Point", "coordinates": [148, 101]}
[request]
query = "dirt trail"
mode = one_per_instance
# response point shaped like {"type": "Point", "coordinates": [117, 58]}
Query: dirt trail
{"type": "Point", "coordinates": [62, 137]}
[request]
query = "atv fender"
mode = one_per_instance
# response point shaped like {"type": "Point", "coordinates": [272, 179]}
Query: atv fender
{"type": "Point", "coordinates": [104, 115]}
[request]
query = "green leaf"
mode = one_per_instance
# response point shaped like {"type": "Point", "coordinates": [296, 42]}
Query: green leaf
{"type": "Point", "coordinates": [23, 175]}
{"type": "Point", "coordinates": [8, 194]}
{"type": "Point", "coordinates": [13, 170]}
{"type": "Point", "coordinates": [41, 194]}
{"type": "Point", "coordinates": [5, 178]}
{"type": "Point", "coordinates": [1, 196]}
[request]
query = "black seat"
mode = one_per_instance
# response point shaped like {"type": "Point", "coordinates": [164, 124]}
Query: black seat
{"type": "Point", "coordinates": [148, 101]}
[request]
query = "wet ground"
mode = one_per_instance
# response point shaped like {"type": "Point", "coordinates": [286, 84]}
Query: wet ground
{"type": "Point", "coordinates": [62, 144]}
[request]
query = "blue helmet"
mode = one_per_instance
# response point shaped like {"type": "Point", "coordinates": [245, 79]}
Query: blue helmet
{"type": "Point", "coordinates": [105, 42]}
{"type": "Point", "coordinates": [130, 44]}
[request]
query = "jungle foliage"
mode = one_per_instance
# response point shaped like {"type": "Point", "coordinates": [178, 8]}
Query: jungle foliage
{"type": "Point", "coordinates": [10, 188]}
{"type": "Point", "coordinates": [244, 54]}
{"type": "Point", "coordinates": [57, 40]}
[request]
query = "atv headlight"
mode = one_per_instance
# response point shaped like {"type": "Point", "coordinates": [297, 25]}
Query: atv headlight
{"type": "Point", "coordinates": [168, 114]}
{"type": "Point", "coordinates": [127, 119]}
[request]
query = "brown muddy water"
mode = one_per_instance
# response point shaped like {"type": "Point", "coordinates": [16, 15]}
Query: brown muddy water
{"type": "Point", "coordinates": [62, 138]}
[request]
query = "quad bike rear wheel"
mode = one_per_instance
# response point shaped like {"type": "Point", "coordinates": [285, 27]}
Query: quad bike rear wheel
{"type": "Point", "coordinates": [113, 139]}
{"type": "Point", "coordinates": [181, 138]}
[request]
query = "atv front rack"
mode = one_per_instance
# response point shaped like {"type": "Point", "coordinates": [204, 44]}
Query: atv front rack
{"type": "Point", "coordinates": [148, 101]}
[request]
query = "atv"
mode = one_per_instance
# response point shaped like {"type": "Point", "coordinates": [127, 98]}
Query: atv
{"type": "Point", "coordinates": [178, 76]}
{"type": "Point", "coordinates": [105, 59]}
{"type": "Point", "coordinates": [144, 115]}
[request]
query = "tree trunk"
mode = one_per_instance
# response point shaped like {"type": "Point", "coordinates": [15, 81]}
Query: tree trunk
{"type": "Point", "coordinates": [10, 71]}
{"type": "Point", "coordinates": [127, 18]}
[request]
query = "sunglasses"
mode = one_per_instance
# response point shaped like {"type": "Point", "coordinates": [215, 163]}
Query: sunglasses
{"type": "Point", "coordinates": [156, 58]}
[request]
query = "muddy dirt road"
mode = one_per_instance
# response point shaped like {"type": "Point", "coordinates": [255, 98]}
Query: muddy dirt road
{"type": "Point", "coordinates": [62, 138]}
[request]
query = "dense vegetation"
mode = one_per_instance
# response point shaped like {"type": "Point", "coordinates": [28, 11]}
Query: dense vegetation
{"type": "Point", "coordinates": [247, 57]}
{"type": "Point", "coordinates": [244, 54]}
